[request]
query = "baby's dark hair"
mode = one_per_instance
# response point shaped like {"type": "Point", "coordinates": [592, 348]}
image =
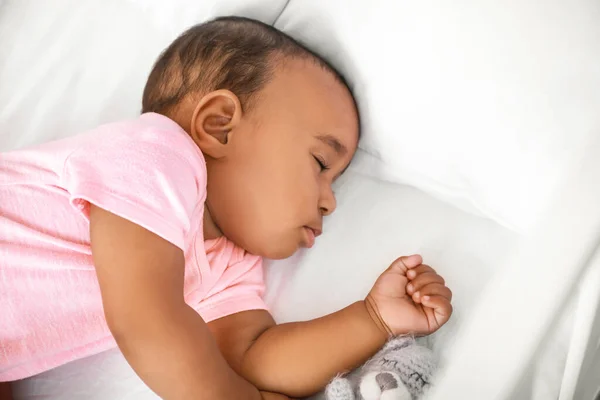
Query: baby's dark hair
{"type": "Point", "coordinates": [234, 53]}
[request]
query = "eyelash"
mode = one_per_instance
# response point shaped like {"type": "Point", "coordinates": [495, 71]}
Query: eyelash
{"type": "Point", "coordinates": [322, 164]}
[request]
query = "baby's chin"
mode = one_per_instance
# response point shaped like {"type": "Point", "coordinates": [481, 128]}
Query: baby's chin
{"type": "Point", "coordinates": [276, 250]}
{"type": "Point", "coordinates": [277, 254]}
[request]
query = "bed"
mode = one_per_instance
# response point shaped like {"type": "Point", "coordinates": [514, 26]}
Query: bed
{"type": "Point", "coordinates": [512, 223]}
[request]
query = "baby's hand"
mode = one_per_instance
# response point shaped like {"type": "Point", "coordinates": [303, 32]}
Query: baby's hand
{"type": "Point", "coordinates": [410, 297]}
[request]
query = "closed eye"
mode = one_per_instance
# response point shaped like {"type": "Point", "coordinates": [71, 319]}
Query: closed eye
{"type": "Point", "coordinates": [321, 163]}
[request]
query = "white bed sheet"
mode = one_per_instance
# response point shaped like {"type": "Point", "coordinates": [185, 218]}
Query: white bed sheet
{"type": "Point", "coordinates": [375, 222]}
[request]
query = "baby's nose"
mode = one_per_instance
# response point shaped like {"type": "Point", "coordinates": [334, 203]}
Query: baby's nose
{"type": "Point", "coordinates": [328, 203]}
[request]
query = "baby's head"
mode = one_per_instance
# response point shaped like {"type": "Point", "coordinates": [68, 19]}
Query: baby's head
{"type": "Point", "coordinates": [276, 124]}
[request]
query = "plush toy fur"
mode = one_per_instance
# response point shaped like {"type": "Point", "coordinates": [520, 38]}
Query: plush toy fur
{"type": "Point", "coordinates": [401, 370]}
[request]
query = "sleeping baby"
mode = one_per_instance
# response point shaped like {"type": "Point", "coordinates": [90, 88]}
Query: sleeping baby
{"type": "Point", "coordinates": [148, 234]}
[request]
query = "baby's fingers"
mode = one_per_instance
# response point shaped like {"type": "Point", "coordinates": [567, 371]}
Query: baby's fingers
{"type": "Point", "coordinates": [441, 306]}
{"type": "Point", "coordinates": [418, 270]}
{"type": "Point", "coordinates": [434, 289]}
{"type": "Point", "coordinates": [422, 280]}
{"type": "Point", "coordinates": [405, 263]}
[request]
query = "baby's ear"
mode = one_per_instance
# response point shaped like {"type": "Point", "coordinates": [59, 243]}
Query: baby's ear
{"type": "Point", "coordinates": [213, 120]}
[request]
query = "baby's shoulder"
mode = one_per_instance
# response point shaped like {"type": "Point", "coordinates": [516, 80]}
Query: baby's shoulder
{"type": "Point", "coordinates": [151, 142]}
{"type": "Point", "coordinates": [148, 131]}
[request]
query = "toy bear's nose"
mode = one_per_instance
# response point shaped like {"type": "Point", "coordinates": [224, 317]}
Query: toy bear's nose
{"type": "Point", "coordinates": [386, 381]}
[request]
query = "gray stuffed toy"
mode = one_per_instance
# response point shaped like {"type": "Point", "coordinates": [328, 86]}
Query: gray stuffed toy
{"type": "Point", "coordinates": [401, 370]}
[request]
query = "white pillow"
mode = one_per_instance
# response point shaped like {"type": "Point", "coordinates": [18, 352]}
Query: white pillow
{"type": "Point", "coordinates": [175, 14]}
{"type": "Point", "coordinates": [375, 223]}
{"type": "Point", "coordinates": [481, 103]}
{"type": "Point", "coordinates": [69, 65]}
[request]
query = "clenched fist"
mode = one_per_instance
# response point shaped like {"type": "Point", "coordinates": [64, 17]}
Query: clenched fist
{"type": "Point", "coordinates": [410, 298]}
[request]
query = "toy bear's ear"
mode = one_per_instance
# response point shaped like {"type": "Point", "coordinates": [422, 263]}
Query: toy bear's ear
{"type": "Point", "coordinates": [398, 343]}
{"type": "Point", "coordinates": [384, 385]}
{"type": "Point", "coordinates": [339, 389]}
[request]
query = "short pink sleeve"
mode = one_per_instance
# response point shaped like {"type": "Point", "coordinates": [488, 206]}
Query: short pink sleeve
{"type": "Point", "coordinates": [240, 288]}
{"type": "Point", "coordinates": [155, 178]}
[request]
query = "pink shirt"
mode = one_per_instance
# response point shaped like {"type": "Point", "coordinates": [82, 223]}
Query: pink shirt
{"type": "Point", "coordinates": [148, 171]}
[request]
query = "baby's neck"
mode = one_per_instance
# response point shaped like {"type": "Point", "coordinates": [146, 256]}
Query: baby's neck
{"type": "Point", "coordinates": [211, 230]}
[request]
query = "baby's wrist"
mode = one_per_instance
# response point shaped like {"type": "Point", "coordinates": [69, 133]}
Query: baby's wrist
{"type": "Point", "coordinates": [376, 319]}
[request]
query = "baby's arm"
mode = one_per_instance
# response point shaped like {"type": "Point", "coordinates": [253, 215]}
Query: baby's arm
{"type": "Point", "coordinates": [300, 358]}
{"type": "Point", "coordinates": [165, 341]}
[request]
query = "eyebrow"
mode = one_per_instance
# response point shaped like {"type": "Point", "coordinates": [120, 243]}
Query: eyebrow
{"type": "Point", "coordinates": [333, 142]}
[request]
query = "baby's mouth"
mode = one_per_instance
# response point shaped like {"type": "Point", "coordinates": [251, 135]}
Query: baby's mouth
{"type": "Point", "coordinates": [311, 235]}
